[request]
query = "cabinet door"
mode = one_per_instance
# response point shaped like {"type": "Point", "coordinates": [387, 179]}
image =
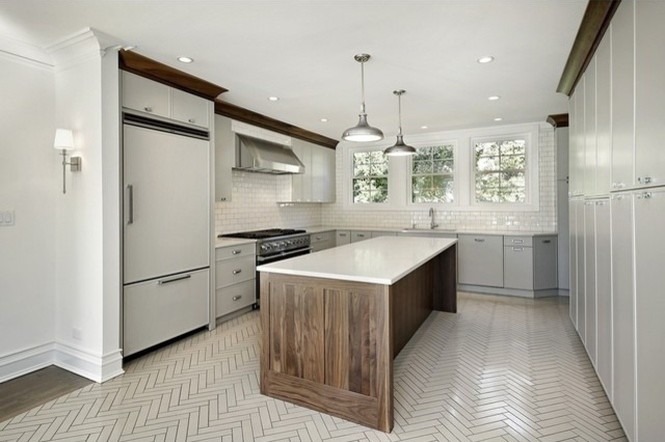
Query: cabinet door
{"type": "Point", "coordinates": [572, 262]}
{"type": "Point", "coordinates": [301, 184]}
{"type": "Point", "coordinates": [623, 109]}
{"type": "Point", "coordinates": [604, 295]}
{"type": "Point", "coordinates": [189, 108]}
{"type": "Point", "coordinates": [545, 265]}
{"type": "Point", "coordinates": [650, 307]}
{"type": "Point", "coordinates": [360, 235]}
{"type": "Point", "coordinates": [225, 158]}
{"type": "Point", "coordinates": [480, 260]}
{"type": "Point", "coordinates": [234, 297]}
{"type": "Point", "coordinates": [145, 95]}
{"type": "Point", "coordinates": [590, 128]}
{"type": "Point", "coordinates": [572, 143]}
{"type": "Point", "coordinates": [581, 261]}
{"type": "Point", "coordinates": [623, 322]}
{"type": "Point", "coordinates": [342, 237]}
{"type": "Point", "coordinates": [577, 149]}
{"type": "Point", "coordinates": [649, 93]}
{"type": "Point", "coordinates": [603, 117]}
{"type": "Point", "coordinates": [376, 234]}
{"type": "Point", "coordinates": [158, 310]}
{"type": "Point", "coordinates": [323, 174]}
{"type": "Point", "coordinates": [518, 267]}
{"type": "Point", "coordinates": [590, 278]}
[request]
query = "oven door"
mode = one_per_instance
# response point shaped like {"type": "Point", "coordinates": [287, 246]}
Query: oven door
{"type": "Point", "coordinates": [260, 260]}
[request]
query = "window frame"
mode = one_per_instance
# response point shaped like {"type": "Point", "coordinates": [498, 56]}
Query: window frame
{"type": "Point", "coordinates": [391, 203]}
{"type": "Point", "coordinates": [455, 175]}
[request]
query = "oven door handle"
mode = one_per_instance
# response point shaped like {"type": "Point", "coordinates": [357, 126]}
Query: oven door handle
{"type": "Point", "coordinates": [282, 255]}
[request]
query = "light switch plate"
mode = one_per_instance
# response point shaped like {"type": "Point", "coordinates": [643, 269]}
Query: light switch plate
{"type": "Point", "coordinates": [6, 218]}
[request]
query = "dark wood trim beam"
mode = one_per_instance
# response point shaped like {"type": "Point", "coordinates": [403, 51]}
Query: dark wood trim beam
{"type": "Point", "coordinates": [256, 119]}
{"type": "Point", "coordinates": [146, 67]}
{"type": "Point", "coordinates": [596, 20]}
{"type": "Point", "coordinates": [558, 120]}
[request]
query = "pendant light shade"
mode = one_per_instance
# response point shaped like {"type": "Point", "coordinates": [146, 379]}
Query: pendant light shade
{"type": "Point", "coordinates": [362, 132]}
{"type": "Point", "coordinates": [399, 148]}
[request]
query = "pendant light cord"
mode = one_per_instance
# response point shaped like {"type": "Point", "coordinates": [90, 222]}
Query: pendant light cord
{"type": "Point", "coordinates": [399, 112]}
{"type": "Point", "coordinates": [362, 87]}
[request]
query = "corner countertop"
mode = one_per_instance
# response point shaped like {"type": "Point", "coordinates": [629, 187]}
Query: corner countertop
{"type": "Point", "coordinates": [229, 242]}
{"type": "Point", "coordinates": [384, 260]}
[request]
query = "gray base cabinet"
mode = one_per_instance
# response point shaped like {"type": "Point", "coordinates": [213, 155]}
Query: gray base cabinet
{"type": "Point", "coordinates": [235, 278]}
{"type": "Point", "coordinates": [360, 235]}
{"type": "Point", "coordinates": [480, 260]}
{"type": "Point", "coordinates": [322, 240]}
{"type": "Point", "coordinates": [518, 267]}
{"type": "Point", "coordinates": [342, 237]}
{"type": "Point", "coordinates": [530, 263]}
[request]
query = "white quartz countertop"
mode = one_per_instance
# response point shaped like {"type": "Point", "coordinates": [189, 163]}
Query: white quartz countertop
{"type": "Point", "coordinates": [230, 242]}
{"type": "Point", "coordinates": [384, 260]}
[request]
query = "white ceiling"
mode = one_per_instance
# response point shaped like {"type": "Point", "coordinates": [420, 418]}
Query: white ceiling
{"type": "Point", "coordinates": [302, 51]}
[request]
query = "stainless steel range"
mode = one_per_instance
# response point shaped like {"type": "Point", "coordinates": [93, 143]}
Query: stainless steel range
{"type": "Point", "coordinates": [274, 245]}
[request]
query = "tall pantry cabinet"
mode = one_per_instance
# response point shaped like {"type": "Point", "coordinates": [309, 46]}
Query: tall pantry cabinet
{"type": "Point", "coordinates": [617, 204]}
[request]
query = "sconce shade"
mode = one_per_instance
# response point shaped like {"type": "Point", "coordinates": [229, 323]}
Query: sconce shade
{"type": "Point", "coordinates": [64, 139]}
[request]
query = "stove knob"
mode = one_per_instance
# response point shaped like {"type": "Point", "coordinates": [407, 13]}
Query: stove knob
{"type": "Point", "coordinates": [265, 247]}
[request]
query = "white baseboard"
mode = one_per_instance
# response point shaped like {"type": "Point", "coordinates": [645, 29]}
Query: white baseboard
{"type": "Point", "coordinates": [77, 360]}
{"type": "Point", "coordinates": [25, 361]}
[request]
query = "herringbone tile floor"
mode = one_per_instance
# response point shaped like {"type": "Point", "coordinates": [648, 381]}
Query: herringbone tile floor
{"type": "Point", "coordinates": [502, 369]}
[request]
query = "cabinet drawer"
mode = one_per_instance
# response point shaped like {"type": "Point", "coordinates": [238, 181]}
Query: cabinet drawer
{"type": "Point", "coordinates": [144, 95]}
{"type": "Point", "coordinates": [233, 271]}
{"type": "Point", "coordinates": [234, 297]}
{"type": "Point", "coordinates": [158, 310]}
{"type": "Point", "coordinates": [235, 251]}
{"type": "Point", "coordinates": [510, 240]}
{"type": "Point", "coordinates": [189, 108]}
{"type": "Point", "coordinates": [518, 267]}
{"type": "Point", "coordinates": [360, 235]}
{"type": "Point", "coordinates": [322, 236]}
{"type": "Point", "coordinates": [480, 260]}
{"type": "Point", "coordinates": [343, 237]}
{"type": "Point", "coordinates": [322, 245]}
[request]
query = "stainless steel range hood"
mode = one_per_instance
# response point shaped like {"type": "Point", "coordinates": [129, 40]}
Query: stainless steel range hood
{"type": "Point", "coordinates": [255, 155]}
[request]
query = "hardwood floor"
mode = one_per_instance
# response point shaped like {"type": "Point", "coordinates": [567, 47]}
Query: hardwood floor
{"type": "Point", "coordinates": [501, 369]}
{"type": "Point", "coordinates": [37, 388]}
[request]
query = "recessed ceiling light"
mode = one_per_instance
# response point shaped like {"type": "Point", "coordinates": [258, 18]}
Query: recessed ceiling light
{"type": "Point", "coordinates": [486, 59]}
{"type": "Point", "coordinates": [273, 98]}
{"type": "Point", "coordinates": [185, 59]}
{"type": "Point", "coordinates": [324, 120]}
{"type": "Point", "coordinates": [493, 97]}
{"type": "Point", "coordinates": [424, 127]}
{"type": "Point", "coordinates": [498, 119]}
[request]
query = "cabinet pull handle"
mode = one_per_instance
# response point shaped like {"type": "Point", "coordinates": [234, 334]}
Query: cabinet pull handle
{"type": "Point", "coordinates": [547, 241]}
{"type": "Point", "coordinates": [318, 238]}
{"type": "Point", "coordinates": [192, 120]}
{"type": "Point", "coordinates": [236, 251]}
{"type": "Point", "coordinates": [236, 271]}
{"type": "Point", "coordinates": [235, 298]}
{"type": "Point", "coordinates": [342, 234]}
{"type": "Point", "coordinates": [518, 241]}
{"type": "Point", "coordinates": [147, 109]}
{"type": "Point", "coordinates": [647, 195]}
{"type": "Point", "coordinates": [647, 180]}
{"type": "Point", "coordinates": [130, 197]}
{"type": "Point", "coordinates": [518, 249]}
{"type": "Point", "coordinates": [177, 278]}
{"type": "Point", "coordinates": [479, 239]}
{"type": "Point", "coordinates": [223, 198]}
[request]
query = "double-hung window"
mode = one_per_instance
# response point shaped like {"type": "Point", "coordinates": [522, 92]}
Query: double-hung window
{"type": "Point", "coordinates": [500, 170]}
{"type": "Point", "coordinates": [433, 174]}
{"type": "Point", "coordinates": [370, 177]}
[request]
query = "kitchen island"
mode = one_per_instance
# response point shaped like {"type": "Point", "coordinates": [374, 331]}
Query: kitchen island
{"type": "Point", "coordinates": [334, 321]}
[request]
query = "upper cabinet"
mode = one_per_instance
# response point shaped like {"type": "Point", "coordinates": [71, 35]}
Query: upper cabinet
{"type": "Point", "coordinates": [603, 178]}
{"type": "Point", "coordinates": [623, 83]}
{"type": "Point", "coordinates": [317, 184]}
{"type": "Point", "coordinates": [150, 97]}
{"type": "Point", "coordinates": [225, 158]}
{"type": "Point", "coordinates": [649, 93]}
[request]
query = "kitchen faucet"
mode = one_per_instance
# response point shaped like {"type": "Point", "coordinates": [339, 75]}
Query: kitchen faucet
{"type": "Point", "coordinates": [431, 218]}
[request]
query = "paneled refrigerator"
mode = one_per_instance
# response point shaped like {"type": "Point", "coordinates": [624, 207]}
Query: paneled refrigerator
{"type": "Point", "coordinates": [166, 231]}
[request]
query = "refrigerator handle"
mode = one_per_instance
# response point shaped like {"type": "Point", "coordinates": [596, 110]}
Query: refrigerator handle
{"type": "Point", "coordinates": [130, 197]}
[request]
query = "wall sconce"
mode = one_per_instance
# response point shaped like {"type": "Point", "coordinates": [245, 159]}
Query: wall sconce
{"type": "Point", "coordinates": [64, 140]}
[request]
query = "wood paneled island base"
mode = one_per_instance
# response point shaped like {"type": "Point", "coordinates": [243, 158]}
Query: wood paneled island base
{"type": "Point", "coordinates": [329, 344]}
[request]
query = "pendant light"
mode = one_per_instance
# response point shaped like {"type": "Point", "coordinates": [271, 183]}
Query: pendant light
{"type": "Point", "coordinates": [399, 148]}
{"type": "Point", "coordinates": [362, 132]}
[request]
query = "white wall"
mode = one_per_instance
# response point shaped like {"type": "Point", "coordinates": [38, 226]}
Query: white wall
{"type": "Point", "coordinates": [29, 185]}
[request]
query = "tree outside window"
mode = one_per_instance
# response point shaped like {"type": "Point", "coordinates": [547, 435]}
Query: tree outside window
{"type": "Point", "coordinates": [500, 171]}
{"type": "Point", "coordinates": [370, 177]}
{"type": "Point", "coordinates": [432, 174]}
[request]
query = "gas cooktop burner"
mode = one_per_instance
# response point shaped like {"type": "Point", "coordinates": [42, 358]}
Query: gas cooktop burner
{"type": "Point", "coordinates": [262, 234]}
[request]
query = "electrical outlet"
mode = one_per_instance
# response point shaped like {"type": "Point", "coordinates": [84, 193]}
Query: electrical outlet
{"type": "Point", "coordinates": [76, 333]}
{"type": "Point", "coordinates": [6, 218]}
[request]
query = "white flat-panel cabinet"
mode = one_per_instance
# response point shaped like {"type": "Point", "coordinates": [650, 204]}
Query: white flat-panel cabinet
{"type": "Point", "coordinates": [590, 278]}
{"type": "Point", "coordinates": [649, 93]}
{"type": "Point", "coordinates": [160, 309]}
{"type": "Point", "coordinates": [317, 184]}
{"type": "Point", "coordinates": [650, 308]}
{"type": "Point", "coordinates": [580, 282]}
{"type": "Point", "coordinates": [623, 127]}
{"type": "Point", "coordinates": [623, 321]}
{"type": "Point", "coordinates": [604, 294]}
{"type": "Point", "coordinates": [189, 108]}
{"type": "Point", "coordinates": [301, 183]}
{"type": "Point", "coordinates": [578, 142]}
{"type": "Point", "coordinates": [166, 177]}
{"type": "Point", "coordinates": [603, 117]}
{"type": "Point", "coordinates": [225, 158]}
{"type": "Point", "coordinates": [480, 260]}
{"type": "Point", "coordinates": [590, 128]}
{"type": "Point", "coordinates": [573, 262]}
